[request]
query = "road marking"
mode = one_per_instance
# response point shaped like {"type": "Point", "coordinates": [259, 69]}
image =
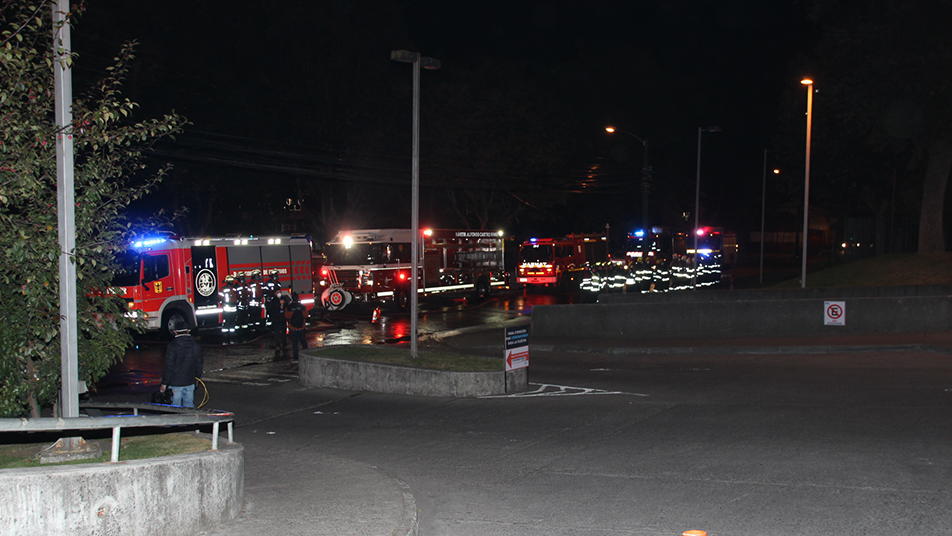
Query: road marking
{"type": "Point", "coordinates": [547, 389]}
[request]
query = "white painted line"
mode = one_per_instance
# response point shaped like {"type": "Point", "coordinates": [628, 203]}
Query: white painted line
{"type": "Point", "coordinates": [546, 389]}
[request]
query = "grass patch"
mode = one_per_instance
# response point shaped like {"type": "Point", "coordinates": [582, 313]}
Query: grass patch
{"type": "Point", "coordinates": [427, 359]}
{"type": "Point", "coordinates": [883, 271]}
{"type": "Point", "coordinates": [132, 448]}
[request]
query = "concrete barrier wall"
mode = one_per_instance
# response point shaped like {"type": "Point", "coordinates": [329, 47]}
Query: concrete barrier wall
{"type": "Point", "coordinates": [173, 495]}
{"type": "Point", "coordinates": [728, 314]}
{"type": "Point", "coordinates": [317, 371]}
{"type": "Point", "coordinates": [779, 294]}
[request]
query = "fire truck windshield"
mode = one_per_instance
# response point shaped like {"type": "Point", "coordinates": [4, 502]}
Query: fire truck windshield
{"type": "Point", "coordinates": [127, 274]}
{"type": "Point", "coordinates": [536, 253]}
{"type": "Point", "coordinates": [361, 254]}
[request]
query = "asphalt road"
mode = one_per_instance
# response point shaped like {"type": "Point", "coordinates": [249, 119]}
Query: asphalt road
{"type": "Point", "coordinates": [853, 443]}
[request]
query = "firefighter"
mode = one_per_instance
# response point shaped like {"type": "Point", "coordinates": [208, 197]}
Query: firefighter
{"type": "Point", "coordinates": [255, 301]}
{"type": "Point", "coordinates": [271, 289]}
{"type": "Point", "coordinates": [272, 285]}
{"type": "Point", "coordinates": [229, 303]}
{"type": "Point", "coordinates": [244, 298]}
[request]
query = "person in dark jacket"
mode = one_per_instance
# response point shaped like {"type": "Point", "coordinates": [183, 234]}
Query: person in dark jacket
{"type": "Point", "coordinates": [277, 304]}
{"type": "Point", "coordinates": [296, 314]}
{"type": "Point", "coordinates": [183, 364]}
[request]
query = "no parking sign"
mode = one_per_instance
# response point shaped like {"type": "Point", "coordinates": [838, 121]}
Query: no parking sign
{"type": "Point", "coordinates": [834, 313]}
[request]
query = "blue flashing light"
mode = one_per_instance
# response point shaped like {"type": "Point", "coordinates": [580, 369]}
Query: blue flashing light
{"type": "Point", "coordinates": [532, 239]}
{"type": "Point", "coordinates": [148, 242]}
{"type": "Point", "coordinates": [640, 233]}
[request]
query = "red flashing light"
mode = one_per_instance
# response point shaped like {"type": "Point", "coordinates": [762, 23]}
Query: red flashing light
{"type": "Point", "coordinates": [402, 276]}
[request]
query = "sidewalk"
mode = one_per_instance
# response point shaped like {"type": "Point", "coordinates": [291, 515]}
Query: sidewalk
{"type": "Point", "coordinates": [293, 492]}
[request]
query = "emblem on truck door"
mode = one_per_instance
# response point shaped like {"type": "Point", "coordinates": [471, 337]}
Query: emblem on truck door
{"type": "Point", "coordinates": [205, 283]}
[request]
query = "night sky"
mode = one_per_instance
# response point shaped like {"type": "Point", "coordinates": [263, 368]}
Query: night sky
{"type": "Point", "coordinates": [300, 101]}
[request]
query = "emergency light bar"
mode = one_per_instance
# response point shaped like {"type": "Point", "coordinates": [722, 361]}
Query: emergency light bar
{"type": "Point", "coordinates": [148, 242]}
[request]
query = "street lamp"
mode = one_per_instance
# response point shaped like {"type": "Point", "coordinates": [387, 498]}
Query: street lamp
{"type": "Point", "coordinates": [697, 197]}
{"type": "Point", "coordinates": [806, 182]}
{"type": "Point", "coordinates": [645, 175]}
{"type": "Point", "coordinates": [763, 215]}
{"type": "Point", "coordinates": [405, 56]}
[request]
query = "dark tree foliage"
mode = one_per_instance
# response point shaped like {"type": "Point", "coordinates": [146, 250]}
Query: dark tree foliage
{"type": "Point", "coordinates": [886, 133]}
{"type": "Point", "coordinates": [108, 174]}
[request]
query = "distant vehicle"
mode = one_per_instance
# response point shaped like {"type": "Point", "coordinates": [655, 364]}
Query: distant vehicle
{"type": "Point", "coordinates": [559, 262]}
{"type": "Point", "coordinates": [166, 278]}
{"type": "Point", "coordinates": [371, 267]}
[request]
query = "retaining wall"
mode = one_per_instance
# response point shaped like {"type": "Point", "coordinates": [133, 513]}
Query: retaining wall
{"type": "Point", "coordinates": [172, 495]}
{"type": "Point", "coordinates": [758, 313]}
{"type": "Point", "coordinates": [317, 371]}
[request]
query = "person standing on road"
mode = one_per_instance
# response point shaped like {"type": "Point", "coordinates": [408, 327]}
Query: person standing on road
{"type": "Point", "coordinates": [296, 314]}
{"type": "Point", "coordinates": [183, 365]}
{"type": "Point", "coordinates": [277, 305]}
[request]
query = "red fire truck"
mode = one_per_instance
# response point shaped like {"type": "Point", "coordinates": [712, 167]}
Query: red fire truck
{"type": "Point", "coordinates": [165, 279]}
{"type": "Point", "coordinates": [559, 261]}
{"type": "Point", "coordinates": [373, 266]}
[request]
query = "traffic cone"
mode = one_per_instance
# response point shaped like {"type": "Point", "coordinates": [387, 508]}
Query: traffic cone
{"type": "Point", "coordinates": [694, 533]}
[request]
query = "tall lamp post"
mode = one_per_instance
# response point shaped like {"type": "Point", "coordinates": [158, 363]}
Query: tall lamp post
{"type": "Point", "coordinates": [645, 175]}
{"type": "Point", "coordinates": [697, 197]}
{"type": "Point", "coordinates": [806, 183]}
{"type": "Point", "coordinates": [405, 56]}
{"type": "Point", "coordinates": [763, 216]}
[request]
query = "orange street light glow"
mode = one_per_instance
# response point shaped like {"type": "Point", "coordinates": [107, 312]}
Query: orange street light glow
{"type": "Point", "coordinates": [806, 81]}
{"type": "Point", "coordinates": [609, 129]}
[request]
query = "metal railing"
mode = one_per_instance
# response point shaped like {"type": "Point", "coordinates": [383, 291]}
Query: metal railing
{"type": "Point", "coordinates": [171, 416]}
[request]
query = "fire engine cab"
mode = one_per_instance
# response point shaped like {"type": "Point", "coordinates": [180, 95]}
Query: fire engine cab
{"type": "Point", "coordinates": [165, 279]}
{"type": "Point", "coordinates": [372, 266]}
{"type": "Point", "coordinates": [559, 261]}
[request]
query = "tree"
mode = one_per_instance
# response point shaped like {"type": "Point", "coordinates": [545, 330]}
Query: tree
{"type": "Point", "coordinates": [109, 174]}
{"type": "Point", "coordinates": [884, 69]}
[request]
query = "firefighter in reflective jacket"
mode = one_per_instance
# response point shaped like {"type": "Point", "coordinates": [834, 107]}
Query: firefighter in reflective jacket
{"type": "Point", "coordinates": [244, 300]}
{"type": "Point", "coordinates": [271, 292]}
{"type": "Point", "coordinates": [272, 286]}
{"type": "Point", "coordinates": [255, 301]}
{"type": "Point", "coordinates": [229, 304]}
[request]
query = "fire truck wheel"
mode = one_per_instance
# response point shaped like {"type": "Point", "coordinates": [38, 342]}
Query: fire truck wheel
{"type": "Point", "coordinates": [170, 318]}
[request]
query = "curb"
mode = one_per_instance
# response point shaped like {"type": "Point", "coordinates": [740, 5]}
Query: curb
{"type": "Point", "coordinates": [765, 350]}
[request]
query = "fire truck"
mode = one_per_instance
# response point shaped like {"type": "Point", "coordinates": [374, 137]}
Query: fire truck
{"type": "Point", "coordinates": [559, 261]}
{"type": "Point", "coordinates": [373, 266]}
{"type": "Point", "coordinates": [165, 279]}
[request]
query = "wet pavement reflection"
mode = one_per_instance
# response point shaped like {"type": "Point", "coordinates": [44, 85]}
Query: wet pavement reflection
{"type": "Point", "coordinates": [140, 371]}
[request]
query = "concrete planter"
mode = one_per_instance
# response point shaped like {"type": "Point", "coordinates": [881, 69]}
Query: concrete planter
{"type": "Point", "coordinates": [318, 371]}
{"type": "Point", "coordinates": [183, 494]}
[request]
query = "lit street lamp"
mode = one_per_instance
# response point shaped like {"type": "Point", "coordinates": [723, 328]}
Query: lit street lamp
{"type": "Point", "coordinates": [406, 56]}
{"type": "Point", "coordinates": [806, 182]}
{"type": "Point", "coordinates": [763, 215]}
{"type": "Point", "coordinates": [697, 197]}
{"type": "Point", "coordinates": [645, 175]}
